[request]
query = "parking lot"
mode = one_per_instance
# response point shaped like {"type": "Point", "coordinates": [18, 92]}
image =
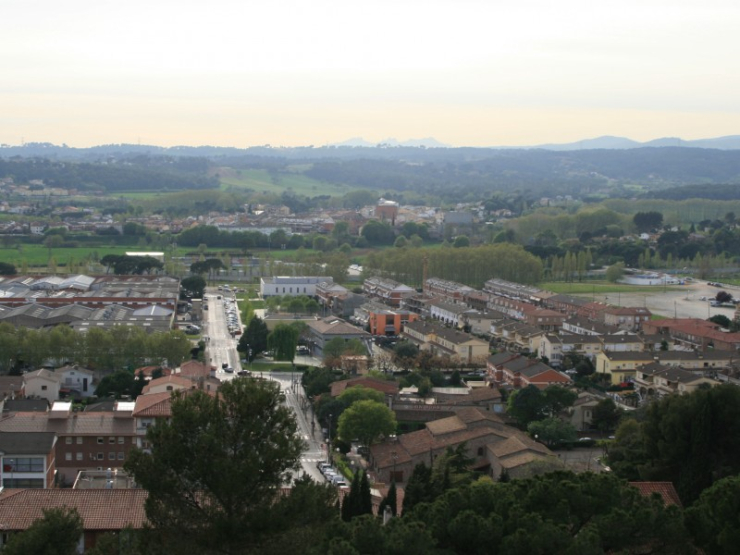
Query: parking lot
{"type": "Point", "coordinates": [684, 301]}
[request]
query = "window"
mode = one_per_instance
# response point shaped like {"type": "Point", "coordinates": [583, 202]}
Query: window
{"type": "Point", "coordinates": [23, 464]}
{"type": "Point", "coordinates": [121, 439]}
{"type": "Point", "coordinates": [79, 440]}
{"type": "Point", "coordinates": [101, 440]}
{"type": "Point", "coordinates": [111, 456]}
{"type": "Point", "coordinates": [480, 451]}
{"type": "Point", "coordinates": [43, 388]}
{"type": "Point", "coordinates": [68, 440]}
{"type": "Point", "coordinates": [111, 440]}
{"type": "Point", "coordinates": [23, 483]}
{"type": "Point", "coordinates": [101, 456]}
{"type": "Point", "coordinates": [121, 455]}
{"type": "Point", "coordinates": [68, 456]}
{"type": "Point", "coordinates": [79, 456]}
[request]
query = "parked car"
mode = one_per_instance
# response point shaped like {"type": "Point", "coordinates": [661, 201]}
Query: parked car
{"type": "Point", "coordinates": [327, 468]}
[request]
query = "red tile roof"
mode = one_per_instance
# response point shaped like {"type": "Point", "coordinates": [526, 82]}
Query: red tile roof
{"type": "Point", "coordinates": [182, 381]}
{"type": "Point", "coordinates": [195, 369]}
{"type": "Point", "coordinates": [153, 404]}
{"type": "Point", "coordinates": [100, 509]}
{"type": "Point", "coordinates": [665, 489]}
{"type": "Point", "coordinates": [389, 388]}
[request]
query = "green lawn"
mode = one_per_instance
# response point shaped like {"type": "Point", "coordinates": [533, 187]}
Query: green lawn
{"type": "Point", "coordinates": [38, 255]}
{"type": "Point", "coordinates": [271, 367]}
{"type": "Point", "coordinates": [143, 195]}
{"type": "Point", "coordinates": [261, 181]}
{"type": "Point", "coordinates": [600, 287]}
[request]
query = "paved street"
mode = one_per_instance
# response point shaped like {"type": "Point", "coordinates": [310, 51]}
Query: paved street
{"type": "Point", "coordinates": [220, 347]}
{"type": "Point", "coordinates": [295, 399]}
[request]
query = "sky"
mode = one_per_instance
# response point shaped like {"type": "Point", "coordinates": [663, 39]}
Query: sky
{"type": "Point", "coordinates": [296, 72]}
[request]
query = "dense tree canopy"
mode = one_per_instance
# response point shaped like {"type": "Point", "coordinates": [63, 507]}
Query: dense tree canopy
{"type": "Point", "coordinates": [56, 533]}
{"type": "Point", "coordinates": [115, 348]}
{"type": "Point", "coordinates": [556, 513]}
{"type": "Point", "coordinates": [7, 269]}
{"type": "Point", "coordinates": [193, 287]}
{"type": "Point", "coordinates": [531, 404]}
{"type": "Point", "coordinates": [217, 468]}
{"type": "Point", "coordinates": [690, 440]}
{"type": "Point", "coordinates": [552, 431]}
{"type": "Point", "coordinates": [254, 339]}
{"type": "Point", "coordinates": [283, 341]}
{"type": "Point", "coordinates": [713, 519]}
{"type": "Point", "coordinates": [366, 421]}
{"type": "Point", "coordinates": [123, 264]}
{"type": "Point", "coordinates": [472, 266]}
{"type": "Point", "coordinates": [646, 221]}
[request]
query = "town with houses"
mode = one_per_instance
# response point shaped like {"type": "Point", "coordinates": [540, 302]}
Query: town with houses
{"type": "Point", "coordinates": [63, 445]}
{"type": "Point", "coordinates": [48, 443]}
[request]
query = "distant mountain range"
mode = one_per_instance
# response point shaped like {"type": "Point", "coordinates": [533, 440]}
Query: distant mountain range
{"type": "Point", "coordinates": [730, 142]}
{"type": "Point", "coordinates": [429, 142]}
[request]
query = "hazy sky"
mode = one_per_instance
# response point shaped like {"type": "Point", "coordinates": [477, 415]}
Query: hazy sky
{"type": "Point", "coordinates": [289, 72]}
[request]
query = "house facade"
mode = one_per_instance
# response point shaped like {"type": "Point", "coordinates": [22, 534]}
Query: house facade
{"type": "Point", "coordinates": [442, 341]}
{"type": "Point", "coordinates": [387, 291]}
{"type": "Point", "coordinates": [28, 460]}
{"type": "Point", "coordinates": [479, 431]}
{"type": "Point", "coordinates": [43, 384]}
{"type": "Point", "coordinates": [291, 286]}
{"type": "Point", "coordinates": [77, 381]}
{"type": "Point", "coordinates": [85, 441]}
{"type": "Point", "coordinates": [518, 371]}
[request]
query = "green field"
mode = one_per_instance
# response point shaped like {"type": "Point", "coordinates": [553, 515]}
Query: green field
{"type": "Point", "coordinates": [600, 288]}
{"type": "Point", "coordinates": [262, 182]}
{"type": "Point", "coordinates": [38, 255]}
{"type": "Point", "coordinates": [143, 195]}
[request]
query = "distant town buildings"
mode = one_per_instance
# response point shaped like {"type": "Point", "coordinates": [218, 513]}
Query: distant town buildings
{"type": "Point", "coordinates": [291, 286]}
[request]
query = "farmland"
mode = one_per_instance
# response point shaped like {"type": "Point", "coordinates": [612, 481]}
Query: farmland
{"type": "Point", "coordinates": [262, 181]}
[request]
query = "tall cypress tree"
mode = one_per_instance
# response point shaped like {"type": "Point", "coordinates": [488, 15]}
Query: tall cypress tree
{"type": "Point", "coordinates": [694, 477]}
{"type": "Point", "coordinates": [390, 500]}
{"type": "Point", "coordinates": [418, 487]}
{"type": "Point", "coordinates": [350, 501]}
{"type": "Point", "coordinates": [365, 500]}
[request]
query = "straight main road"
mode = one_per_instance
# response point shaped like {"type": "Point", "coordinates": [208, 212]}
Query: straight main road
{"type": "Point", "coordinates": [308, 427]}
{"type": "Point", "coordinates": [220, 346]}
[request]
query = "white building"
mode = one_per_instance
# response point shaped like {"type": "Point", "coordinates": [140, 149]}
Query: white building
{"type": "Point", "coordinates": [291, 285]}
{"type": "Point", "coordinates": [78, 380]}
{"type": "Point", "coordinates": [42, 383]}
